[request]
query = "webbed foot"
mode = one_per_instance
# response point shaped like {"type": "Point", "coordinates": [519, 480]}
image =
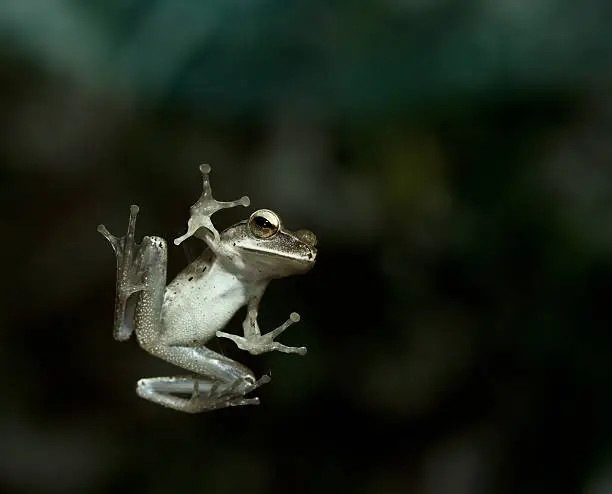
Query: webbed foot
{"type": "Point", "coordinates": [256, 343]}
{"type": "Point", "coordinates": [205, 207]}
{"type": "Point", "coordinates": [220, 397]}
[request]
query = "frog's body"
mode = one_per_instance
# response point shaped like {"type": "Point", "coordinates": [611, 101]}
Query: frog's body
{"type": "Point", "coordinates": [174, 322]}
{"type": "Point", "coordinates": [204, 296]}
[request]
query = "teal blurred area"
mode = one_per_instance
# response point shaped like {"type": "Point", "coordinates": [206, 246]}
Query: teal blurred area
{"type": "Point", "coordinates": [454, 160]}
{"type": "Point", "coordinates": [239, 56]}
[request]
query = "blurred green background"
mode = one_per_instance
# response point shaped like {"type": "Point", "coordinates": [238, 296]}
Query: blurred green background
{"type": "Point", "coordinates": [454, 159]}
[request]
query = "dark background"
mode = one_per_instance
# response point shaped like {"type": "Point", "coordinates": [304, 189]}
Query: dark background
{"type": "Point", "coordinates": [454, 159]}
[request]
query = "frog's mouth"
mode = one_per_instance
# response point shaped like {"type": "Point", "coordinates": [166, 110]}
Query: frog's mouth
{"type": "Point", "coordinates": [307, 257]}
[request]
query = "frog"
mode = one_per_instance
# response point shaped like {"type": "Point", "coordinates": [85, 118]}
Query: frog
{"type": "Point", "coordinates": [175, 322]}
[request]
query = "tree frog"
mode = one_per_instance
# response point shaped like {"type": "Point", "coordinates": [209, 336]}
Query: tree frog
{"type": "Point", "coordinates": [174, 322]}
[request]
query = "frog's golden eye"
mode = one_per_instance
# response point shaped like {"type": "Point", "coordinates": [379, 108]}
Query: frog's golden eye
{"type": "Point", "coordinates": [264, 223]}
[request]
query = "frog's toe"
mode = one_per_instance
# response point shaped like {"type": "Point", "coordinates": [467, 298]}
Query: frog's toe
{"type": "Point", "coordinates": [236, 402]}
{"type": "Point", "coordinates": [299, 350]}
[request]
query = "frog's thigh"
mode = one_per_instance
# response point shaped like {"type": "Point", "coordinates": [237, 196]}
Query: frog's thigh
{"type": "Point", "coordinates": [206, 363]}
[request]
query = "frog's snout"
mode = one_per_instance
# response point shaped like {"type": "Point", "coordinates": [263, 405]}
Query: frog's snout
{"type": "Point", "coordinates": [307, 237]}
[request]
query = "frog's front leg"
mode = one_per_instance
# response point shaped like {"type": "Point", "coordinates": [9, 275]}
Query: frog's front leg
{"type": "Point", "coordinates": [204, 208]}
{"type": "Point", "coordinates": [253, 341]}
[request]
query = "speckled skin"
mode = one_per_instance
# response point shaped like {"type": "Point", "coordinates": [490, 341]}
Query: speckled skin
{"type": "Point", "coordinates": [174, 322]}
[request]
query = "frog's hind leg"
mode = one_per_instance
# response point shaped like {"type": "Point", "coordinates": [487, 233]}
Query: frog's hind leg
{"type": "Point", "coordinates": [129, 276]}
{"type": "Point", "coordinates": [220, 382]}
{"type": "Point", "coordinates": [199, 394]}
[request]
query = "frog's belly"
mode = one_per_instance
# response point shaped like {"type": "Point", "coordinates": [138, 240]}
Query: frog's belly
{"type": "Point", "coordinates": [197, 311]}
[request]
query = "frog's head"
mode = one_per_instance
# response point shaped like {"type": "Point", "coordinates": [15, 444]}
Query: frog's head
{"type": "Point", "coordinates": [267, 250]}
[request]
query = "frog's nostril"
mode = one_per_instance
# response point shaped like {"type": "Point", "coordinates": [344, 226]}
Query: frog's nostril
{"type": "Point", "coordinates": [307, 237]}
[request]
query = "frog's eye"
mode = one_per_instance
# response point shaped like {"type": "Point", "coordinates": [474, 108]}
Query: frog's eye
{"type": "Point", "coordinates": [264, 223]}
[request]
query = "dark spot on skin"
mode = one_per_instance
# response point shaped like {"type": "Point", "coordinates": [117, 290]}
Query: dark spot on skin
{"type": "Point", "coordinates": [190, 278]}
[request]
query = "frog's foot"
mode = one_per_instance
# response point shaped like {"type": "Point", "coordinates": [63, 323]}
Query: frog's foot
{"type": "Point", "coordinates": [205, 394]}
{"type": "Point", "coordinates": [216, 397]}
{"type": "Point", "coordinates": [129, 274]}
{"type": "Point", "coordinates": [205, 207]}
{"type": "Point", "coordinates": [256, 343]}
{"type": "Point", "coordinates": [232, 394]}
